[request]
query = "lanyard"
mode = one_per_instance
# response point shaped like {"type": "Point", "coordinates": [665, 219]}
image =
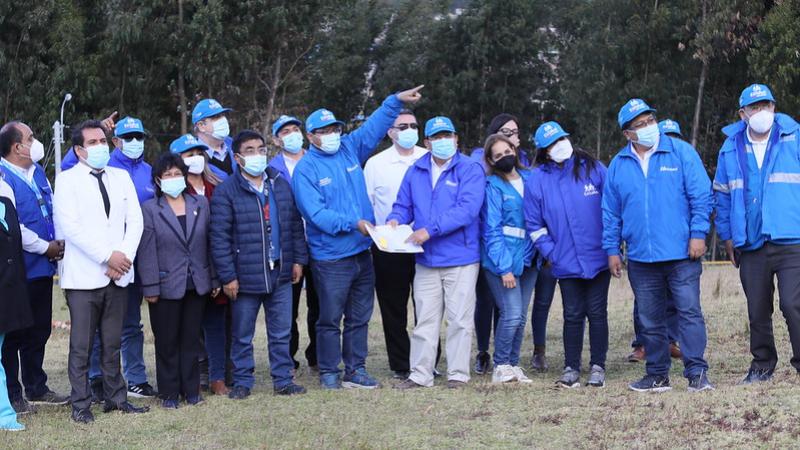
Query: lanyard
{"type": "Point", "coordinates": [31, 184]}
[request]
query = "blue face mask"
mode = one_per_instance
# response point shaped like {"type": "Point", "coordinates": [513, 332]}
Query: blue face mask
{"type": "Point", "coordinates": [221, 129]}
{"type": "Point", "coordinates": [255, 165]}
{"type": "Point", "coordinates": [443, 148]}
{"type": "Point", "coordinates": [329, 143]}
{"type": "Point", "coordinates": [133, 148]}
{"type": "Point", "coordinates": [407, 138]}
{"type": "Point", "coordinates": [97, 156]}
{"type": "Point", "coordinates": [173, 186]}
{"type": "Point", "coordinates": [293, 142]}
{"type": "Point", "coordinates": [647, 136]}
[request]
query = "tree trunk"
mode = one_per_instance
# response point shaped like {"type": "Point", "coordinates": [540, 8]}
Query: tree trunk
{"type": "Point", "coordinates": [701, 84]}
{"type": "Point", "coordinates": [181, 83]}
{"type": "Point", "coordinates": [273, 91]}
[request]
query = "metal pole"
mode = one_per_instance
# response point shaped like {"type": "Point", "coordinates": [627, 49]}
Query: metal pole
{"type": "Point", "coordinates": [58, 140]}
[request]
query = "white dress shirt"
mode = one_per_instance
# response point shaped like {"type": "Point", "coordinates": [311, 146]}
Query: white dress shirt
{"type": "Point", "coordinates": [644, 160]}
{"type": "Point", "coordinates": [31, 242]}
{"type": "Point", "coordinates": [383, 175]}
{"type": "Point", "coordinates": [436, 170]}
{"type": "Point", "coordinates": [759, 148]}
{"type": "Point", "coordinates": [91, 236]}
{"type": "Point", "coordinates": [291, 164]}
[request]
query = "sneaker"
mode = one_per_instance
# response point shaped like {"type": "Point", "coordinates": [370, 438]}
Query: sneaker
{"type": "Point", "coordinates": [538, 360]}
{"type": "Point", "coordinates": [569, 378]}
{"type": "Point", "coordinates": [330, 381]}
{"type": "Point", "coordinates": [455, 384]}
{"type": "Point", "coordinates": [84, 416]}
{"type": "Point", "coordinates": [50, 398]}
{"type": "Point", "coordinates": [143, 390]}
{"type": "Point", "coordinates": [597, 377]}
{"type": "Point", "coordinates": [98, 395]}
{"type": "Point", "coordinates": [651, 383]}
{"type": "Point", "coordinates": [503, 373]}
{"type": "Point", "coordinates": [126, 408]}
{"type": "Point", "coordinates": [483, 363]}
{"type": "Point", "coordinates": [408, 383]}
{"type": "Point", "coordinates": [169, 403]}
{"type": "Point", "coordinates": [239, 393]}
{"type": "Point", "coordinates": [13, 427]}
{"type": "Point", "coordinates": [359, 379]}
{"type": "Point", "coordinates": [520, 375]}
{"type": "Point", "coordinates": [290, 389]}
{"type": "Point", "coordinates": [22, 407]}
{"type": "Point", "coordinates": [700, 383]}
{"type": "Point", "coordinates": [436, 373]}
{"type": "Point", "coordinates": [757, 376]}
{"type": "Point", "coordinates": [400, 374]}
{"type": "Point", "coordinates": [195, 400]}
{"type": "Point", "coordinates": [637, 355]}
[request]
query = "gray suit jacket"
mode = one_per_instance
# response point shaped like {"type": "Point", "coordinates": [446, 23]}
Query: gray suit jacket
{"type": "Point", "coordinates": [167, 256]}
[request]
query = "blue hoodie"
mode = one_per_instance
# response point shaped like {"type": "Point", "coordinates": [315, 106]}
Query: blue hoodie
{"type": "Point", "coordinates": [330, 189]}
{"type": "Point", "coordinates": [657, 215]}
{"type": "Point", "coordinates": [564, 218]}
{"type": "Point", "coordinates": [506, 246]}
{"type": "Point", "coordinates": [449, 211]}
{"type": "Point", "coordinates": [754, 206]}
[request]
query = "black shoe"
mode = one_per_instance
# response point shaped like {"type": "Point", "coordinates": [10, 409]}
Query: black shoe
{"type": "Point", "coordinates": [195, 400]}
{"type": "Point", "coordinates": [98, 395]}
{"type": "Point", "coordinates": [50, 398]}
{"type": "Point", "coordinates": [700, 383]}
{"type": "Point", "coordinates": [757, 376]}
{"type": "Point", "coordinates": [22, 407]}
{"type": "Point", "coordinates": [126, 407]}
{"type": "Point", "coordinates": [239, 393]}
{"type": "Point", "coordinates": [82, 415]}
{"type": "Point", "coordinates": [651, 383]}
{"type": "Point", "coordinates": [143, 390]}
{"type": "Point", "coordinates": [400, 374]}
{"type": "Point", "coordinates": [203, 366]}
{"type": "Point", "coordinates": [290, 389]}
{"type": "Point", "coordinates": [483, 363]}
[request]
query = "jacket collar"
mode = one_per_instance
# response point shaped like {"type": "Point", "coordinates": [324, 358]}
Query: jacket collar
{"type": "Point", "coordinates": [425, 161]}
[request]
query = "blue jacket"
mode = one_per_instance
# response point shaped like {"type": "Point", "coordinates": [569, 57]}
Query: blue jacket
{"type": "Point", "coordinates": [775, 210]}
{"type": "Point", "coordinates": [449, 211]}
{"type": "Point", "coordinates": [240, 239]}
{"type": "Point", "coordinates": [279, 164]}
{"type": "Point", "coordinates": [228, 145]}
{"type": "Point", "coordinates": [564, 218]}
{"type": "Point", "coordinates": [69, 160]}
{"type": "Point", "coordinates": [505, 245]}
{"type": "Point", "coordinates": [656, 216]}
{"type": "Point", "coordinates": [138, 169]}
{"type": "Point", "coordinates": [36, 218]}
{"type": "Point", "coordinates": [331, 192]}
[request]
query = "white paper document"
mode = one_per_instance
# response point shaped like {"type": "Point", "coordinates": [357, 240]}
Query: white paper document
{"type": "Point", "coordinates": [393, 240]}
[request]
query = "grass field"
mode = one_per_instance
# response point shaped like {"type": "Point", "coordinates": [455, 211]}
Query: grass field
{"type": "Point", "coordinates": [483, 415]}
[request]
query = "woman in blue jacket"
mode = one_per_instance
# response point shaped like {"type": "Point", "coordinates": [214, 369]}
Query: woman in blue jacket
{"type": "Point", "coordinates": [506, 254]}
{"type": "Point", "coordinates": [564, 218]}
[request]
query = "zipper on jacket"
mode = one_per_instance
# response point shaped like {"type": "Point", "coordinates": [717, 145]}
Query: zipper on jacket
{"type": "Point", "coordinates": [263, 252]}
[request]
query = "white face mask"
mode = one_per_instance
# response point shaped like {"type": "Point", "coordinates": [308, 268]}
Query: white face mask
{"type": "Point", "coordinates": [36, 151]}
{"type": "Point", "coordinates": [561, 151]}
{"type": "Point", "coordinates": [196, 164]}
{"type": "Point", "coordinates": [762, 121]}
{"type": "Point", "coordinates": [220, 128]}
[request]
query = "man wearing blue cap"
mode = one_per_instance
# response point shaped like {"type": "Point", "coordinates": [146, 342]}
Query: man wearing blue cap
{"type": "Point", "coordinates": [441, 198]}
{"type": "Point", "coordinates": [211, 126]}
{"type": "Point", "coordinates": [657, 198]}
{"type": "Point", "coordinates": [331, 194]}
{"type": "Point", "coordinates": [757, 186]}
{"type": "Point", "coordinates": [288, 136]}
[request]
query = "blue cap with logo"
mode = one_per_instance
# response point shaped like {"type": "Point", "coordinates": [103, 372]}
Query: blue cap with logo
{"type": "Point", "coordinates": [547, 133]}
{"type": "Point", "coordinates": [438, 124]}
{"type": "Point", "coordinates": [670, 126]}
{"type": "Point", "coordinates": [206, 108]}
{"type": "Point", "coordinates": [128, 125]}
{"type": "Point", "coordinates": [321, 118]}
{"type": "Point", "coordinates": [186, 143]}
{"type": "Point", "coordinates": [630, 110]}
{"type": "Point", "coordinates": [755, 93]}
{"type": "Point", "coordinates": [284, 120]}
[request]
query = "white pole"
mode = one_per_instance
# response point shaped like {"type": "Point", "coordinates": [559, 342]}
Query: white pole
{"type": "Point", "coordinates": [58, 140]}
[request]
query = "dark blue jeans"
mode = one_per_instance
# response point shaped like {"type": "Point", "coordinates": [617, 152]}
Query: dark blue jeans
{"type": "Point", "coordinates": [215, 340]}
{"type": "Point", "coordinates": [512, 305]}
{"type": "Point", "coordinates": [650, 283]}
{"type": "Point", "coordinates": [486, 315]}
{"type": "Point", "coordinates": [672, 323]}
{"type": "Point", "coordinates": [346, 288]}
{"type": "Point", "coordinates": [278, 319]}
{"type": "Point", "coordinates": [542, 299]}
{"type": "Point", "coordinates": [585, 299]}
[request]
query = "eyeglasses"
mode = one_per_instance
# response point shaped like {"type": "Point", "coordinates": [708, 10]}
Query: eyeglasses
{"type": "Point", "coordinates": [508, 132]}
{"type": "Point", "coordinates": [132, 137]}
{"type": "Point", "coordinates": [328, 130]}
{"type": "Point", "coordinates": [405, 126]}
{"type": "Point", "coordinates": [253, 151]}
{"type": "Point", "coordinates": [442, 135]}
{"type": "Point", "coordinates": [642, 123]}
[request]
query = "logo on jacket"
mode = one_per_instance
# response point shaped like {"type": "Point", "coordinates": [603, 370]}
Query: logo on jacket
{"type": "Point", "coordinates": [668, 169]}
{"type": "Point", "coordinates": [590, 189]}
{"type": "Point", "coordinates": [350, 169]}
{"type": "Point", "coordinates": [450, 183]}
{"type": "Point", "coordinates": [325, 181]}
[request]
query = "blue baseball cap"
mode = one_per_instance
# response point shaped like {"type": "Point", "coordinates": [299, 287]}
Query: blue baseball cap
{"type": "Point", "coordinates": [186, 143]}
{"type": "Point", "coordinates": [208, 107]}
{"type": "Point", "coordinates": [547, 133]}
{"type": "Point", "coordinates": [284, 120]}
{"type": "Point", "coordinates": [128, 125]}
{"type": "Point", "coordinates": [438, 124]}
{"type": "Point", "coordinates": [630, 110]}
{"type": "Point", "coordinates": [321, 118]}
{"type": "Point", "coordinates": [670, 126]}
{"type": "Point", "coordinates": [755, 93]}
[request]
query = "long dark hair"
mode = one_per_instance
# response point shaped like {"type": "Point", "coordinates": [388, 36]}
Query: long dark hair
{"type": "Point", "coordinates": [581, 157]}
{"type": "Point", "coordinates": [487, 154]}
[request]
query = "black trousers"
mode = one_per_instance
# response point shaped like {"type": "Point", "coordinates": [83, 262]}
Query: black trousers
{"type": "Point", "coordinates": [312, 303]}
{"type": "Point", "coordinates": [177, 327]}
{"type": "Point", "coordinates": [23, 350]}
{"type": "Point", "coordinates": [757, 271]}
{"type": "Point", "coordinates": [394, 275]}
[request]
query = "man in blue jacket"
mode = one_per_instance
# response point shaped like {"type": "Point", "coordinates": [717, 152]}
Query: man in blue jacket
{"type": "Point", "coordinates": [441, 198]}
{"type": "Point", "coordinates": [756, 186]}
{"type": "Point", "coordinates": [332, 196]}
{"type": "Point", "coordinates": [657, 198]}
{"type": "Point", "coordinates": [210, 122]}
{"type": "Point", "coordinates": [23, 350]}
{"type": "Point", "coordinates": [259, 250]}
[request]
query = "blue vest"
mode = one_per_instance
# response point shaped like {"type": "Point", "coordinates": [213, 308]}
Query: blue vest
{"type": "Point", "coordinates": [35, 216]}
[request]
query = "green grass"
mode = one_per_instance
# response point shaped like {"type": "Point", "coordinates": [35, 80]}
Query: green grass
{"type": "Point", "coordinates": [534, 416]}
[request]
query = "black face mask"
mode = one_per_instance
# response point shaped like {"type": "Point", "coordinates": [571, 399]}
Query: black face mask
{"type": "Point", "coordinates": [506, 164]}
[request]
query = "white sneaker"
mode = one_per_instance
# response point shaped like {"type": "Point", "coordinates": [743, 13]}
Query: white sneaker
{"type": "Point", "coordinates": [503, 373]}
{"type": "Point", "coordinates": [520, 375]}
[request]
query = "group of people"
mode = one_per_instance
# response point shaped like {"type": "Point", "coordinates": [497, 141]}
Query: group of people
{"type": "Point", "coordinates": [213, 232]}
